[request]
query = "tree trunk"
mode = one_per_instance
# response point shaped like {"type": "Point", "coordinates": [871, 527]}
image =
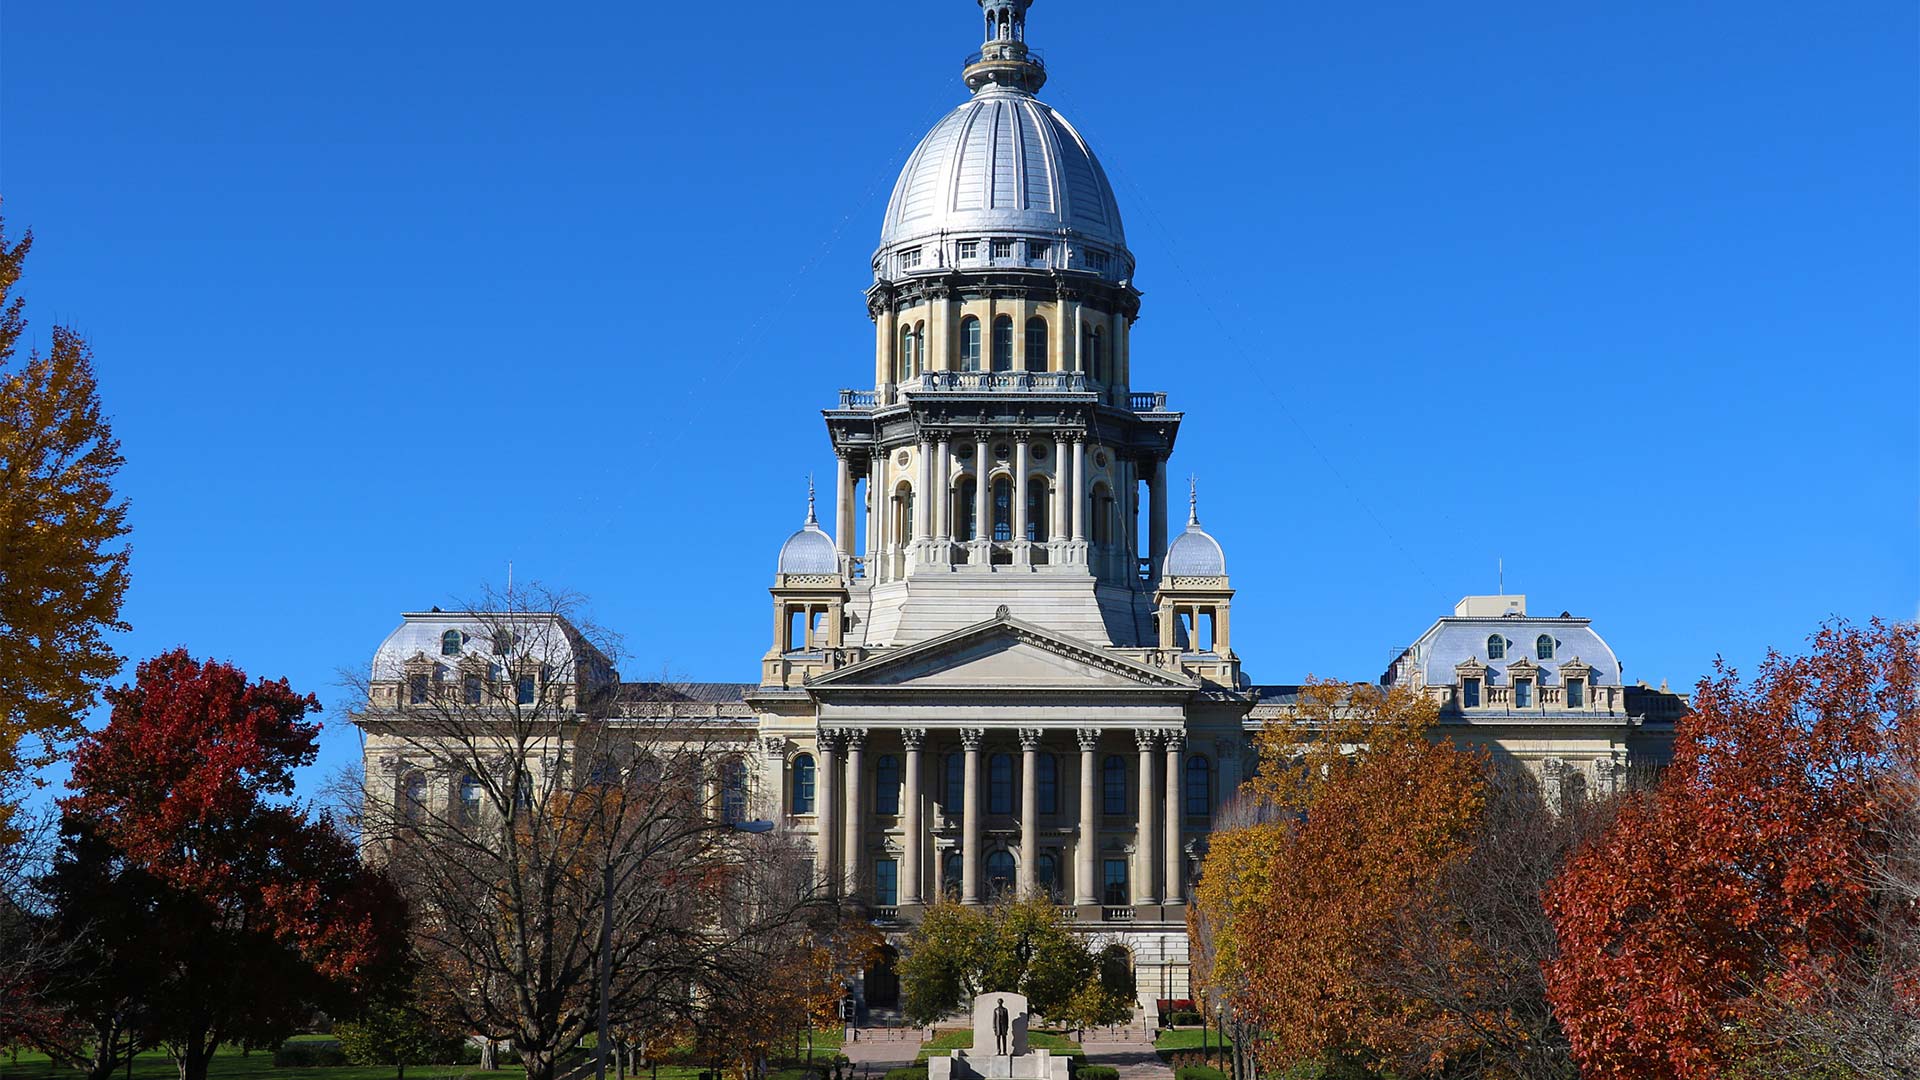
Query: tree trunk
{"type": "Point", "coordinates": [539, 1063]}
{"type": "Point", "coordinates": [194, 1061]}
{"type": "Point", "coordinates": [488, 1056]}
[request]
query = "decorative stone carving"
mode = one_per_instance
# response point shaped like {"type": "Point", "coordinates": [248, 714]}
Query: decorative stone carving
{"type": "Point", "coordinates": [971, 738]}
{"type": "Point", "coordinates": [1030, 737]}
{"type": "Point", "coordinates": [1146, 738]}
{"type": "Point", "coordinates": [1173, 741]}
{"type": "Point", "coordinates": [913, 737]}
{"type": "Point", "coordinates": [773, 745]}
{"type": "Point", "coordinates": [1088, 737]}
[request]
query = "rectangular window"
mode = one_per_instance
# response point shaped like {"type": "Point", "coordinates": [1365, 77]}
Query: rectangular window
{"type": "Point", "coordinates": [472, 688]}
{"type": "Point", "coordinates": [1114, 894]}
{"type": "Point", "coordinates": [969, 249]}
{"type": "Point", "coordinates": [1003, 249]}
{"type": "Point", "coordinates": [523, 690]}
{"type": "Point", "coordinates": [1096, 260]}
{"type": "Point", "coordinates": [886, 882]}
{"type": "Point", "coordinates": [1038, 250]}
{"type": "Point", "coordinates": [416, 689]}
{"type": "Point", "coordinates": [1469, 693]}
{"type": "Point", "coordinates": [1523, 693]}
{"type": "Point", "coordinates": [1576, 693]}
{"type": "Point", "coordinates": [909, 258]}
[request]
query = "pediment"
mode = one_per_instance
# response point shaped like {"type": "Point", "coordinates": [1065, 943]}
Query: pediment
{"type": "Point", "coordinates": [1003, 654]}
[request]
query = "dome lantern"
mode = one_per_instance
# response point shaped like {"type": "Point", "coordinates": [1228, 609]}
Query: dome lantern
{"type": "Point", "coordinates": [1004, 59]}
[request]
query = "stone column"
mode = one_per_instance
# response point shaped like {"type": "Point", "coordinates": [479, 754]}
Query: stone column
{"type": "Point", "coordinates": [943, 504]}
{"type": "Point", "coordinates": [1170, 891]}
{"type": "Point", "coordinates": [773, 776]}
{"type": "Point", "coordinates": [1057, 523]}
{"type": "Point", "coordinates": [1143, 836]}
{"type": "Point", "coordinates": [923, 495]}
{"type": "Point", "coordinates": [1157, 517]}
{"type": "Point", "coordinates": [911, 825]}
{"type": "Point", "coordinates": [1079, 489]}
{"type": "Point", "coordinates": [850, 850]}
{"type": "Point", "coordinates": [843, 506]}
{"type": "Point", "coordinates": [1030, 808]}
{"type": "Point", "coordinates": [876, 507]}
{"type": "Point", "coordinates": [825, 793]}
{"type": "Point", "coordinates": [970, 839]}
{"type": "Point", "coordinates": [1086, 887]}
{"type": "Point", "coordinates": [982, 506]}
{"type": "Point", "coordinates": [1021, 552]}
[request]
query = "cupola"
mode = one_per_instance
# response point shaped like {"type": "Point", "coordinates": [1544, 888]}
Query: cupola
{"type": "Point", "coordinates": [1194, 596]}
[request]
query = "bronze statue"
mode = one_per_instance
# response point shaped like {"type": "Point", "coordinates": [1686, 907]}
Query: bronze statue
{"type": "Point", "coordinates": [1000, 1026]}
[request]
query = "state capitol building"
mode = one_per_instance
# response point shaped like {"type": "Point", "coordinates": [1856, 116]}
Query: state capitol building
{"type": "Point", "coordinates": [1024, 678]}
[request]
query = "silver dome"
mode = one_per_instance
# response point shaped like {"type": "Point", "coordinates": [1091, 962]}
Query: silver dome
{"type": "Point", "coordinates": [811, 550]}
{"type": "Point", "coordinates": [1004, 165]}
{"type": "Point", "coordinates": [1194, 553]}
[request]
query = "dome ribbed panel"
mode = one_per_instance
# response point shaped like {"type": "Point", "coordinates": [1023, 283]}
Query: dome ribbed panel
{"type": "Point", "coordinates": [1002, 165]}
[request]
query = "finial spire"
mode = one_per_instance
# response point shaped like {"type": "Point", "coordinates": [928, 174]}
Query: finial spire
{"type": "Point", "coordinates": [1193, 500]}
{"type": "Point", "coordinates": [811, 519]}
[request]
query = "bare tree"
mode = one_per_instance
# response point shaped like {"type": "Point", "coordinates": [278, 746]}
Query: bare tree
{"type": "Point", "coordinates": [563, 839]}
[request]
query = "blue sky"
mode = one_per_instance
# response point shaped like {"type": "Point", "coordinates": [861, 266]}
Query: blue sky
{"type": "Point", "coordinates": [384, 296]}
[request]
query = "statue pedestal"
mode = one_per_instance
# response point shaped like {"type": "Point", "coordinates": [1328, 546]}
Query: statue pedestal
{"type": "Point", "coordinates": [999, 1020]}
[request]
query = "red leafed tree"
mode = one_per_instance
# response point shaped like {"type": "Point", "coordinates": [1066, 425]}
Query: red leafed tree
{"type": "Point", "coordinates": [271, 913]}
{"type": "Point", "coordinates": [1736, 884]}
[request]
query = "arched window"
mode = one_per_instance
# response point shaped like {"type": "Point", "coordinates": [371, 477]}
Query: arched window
{"type": "Point", "coordinates": [956, 798]}
{"type": "Point", "coordinates": [999, 872]}
{"type": "Point", "coordinates": [1047, 873]}
{"type": "Point", "coordinates": [950, 873]}
{"type": "Point", "coordinates": [503, 643]}
{"type": "Point", "coordinates": [886, 785]}
{"type": "Point", "coordinates": [1002, 508]}
{"type": "Point", "coordinates": [733, 791]}
{"type": "Point", "coordinates": [1114, 784]}
{"type": "Point", "coordinates": [1543, 646]}
{"type": "Point", "coordinates": [413, 796]}
{"type": "Point", "coordinates": [523, 791]}
{"type": "Point", "coordinates": [906, 355]}
{"type": "Point", "coordinates": [1102, 515]}
{"type": "Point", "coordinates": [969, 344]}
{"type": "Point", "coordinates": [1047, 783]}
{"type": "Point", "coordinates": [1037, 504]}
{"type": "Point", "coordinates": [1000, 784]}
{"type": "Point", "coordinates": [605, 771]}
{"type": "Point", "coordinates": [1003, 343]}
{"type": "Point", "coordinates": [1036, 344]}
{"type": "Point", "coordinates": [803, 784]}
{"type": "Point", "coordinates": [450, 643]}
{"type": "Point", "coordinates": [470, 792]}
{"type": "Point", "coordinates": [967, 510]}
{"type": "Point", "coordinates": [1496, 647]}
{"type": "Point", "coordinates": [1199, 786]}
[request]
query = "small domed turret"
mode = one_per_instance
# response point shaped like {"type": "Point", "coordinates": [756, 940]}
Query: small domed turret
{"type": "Point", "coordinates": [1194, 553]}
{"type": "Point", "coordinates": [811, 550]}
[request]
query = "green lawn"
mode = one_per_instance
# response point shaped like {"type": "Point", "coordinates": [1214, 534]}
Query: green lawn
{"type": "Point", "coordinates": [1036, 1040]}
{"type": "Point", "coordinates": [1186, 1039]}
{"type": "Point", "coordinates": [231, 1064]}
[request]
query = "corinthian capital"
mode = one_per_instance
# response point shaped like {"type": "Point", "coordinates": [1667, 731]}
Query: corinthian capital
{"type": "Point", "coordinates": [1030, 737]}
{"type": "Point", "coordinates": [1174, 741]}
{"type": "Point", "coordinates": [913, 737]}
{"type": "Point", "coordinates": [972, 737]}
{"type": "Point", "coordinates": [1146, 738]}
{"type": "Point", "coordinates": [856, 739]}
{"type": "Point", "coordinates": [1089, 738]}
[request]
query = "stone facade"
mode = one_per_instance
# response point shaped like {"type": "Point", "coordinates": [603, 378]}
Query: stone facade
{"type": "Point", "coordinates": [983, 676]}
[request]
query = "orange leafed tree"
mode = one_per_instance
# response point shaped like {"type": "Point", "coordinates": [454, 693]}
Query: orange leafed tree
{"type": "Point", "coordinates": [1737, 884]}
{"type": "Point", "coordinates": [1370, 814]}
{"type": "Point", "coordinates": [62, 572]}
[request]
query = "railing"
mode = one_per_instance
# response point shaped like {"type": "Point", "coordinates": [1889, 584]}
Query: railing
{"type": "Point", "coordinates": [1007, 50]}
{"type": "Point", "coordinates": [1150, 401]}
{"type": "Point", "coordinates": [1116, 914]}
{"type": "Point", "coordinates": [886, 914]}
{"type": "Point", "coordinates": [858, 399]}
{"type": "Point", "coordinates": [1068, 913]}
{"type": "Point", "coordinates": [1026, 381]}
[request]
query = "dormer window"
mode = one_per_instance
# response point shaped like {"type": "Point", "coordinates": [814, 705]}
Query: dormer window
{"type": "Point", "coordinates": [523, 690]}
{"type": "Point", "coordinates": [1496, 647]}
{"type": "Point", "coordinates": [1543, 646]}
{"type": "Point", "coordinates": [417, 689]}
{"type": "Point", "coordinates": [502, 643]}
{"type": "Point", "coordinates": [1469, 693]}
{"type": "Point", "coordinates": [1523, 693]}
{"type": "Point", "coordinates": [1576, 693]}
{"type": "Point", "coordinates": [450, 643]}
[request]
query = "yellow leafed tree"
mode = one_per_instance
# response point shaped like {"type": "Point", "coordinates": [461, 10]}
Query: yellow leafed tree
{"type": "Point", "coordinates": [62, 571]}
